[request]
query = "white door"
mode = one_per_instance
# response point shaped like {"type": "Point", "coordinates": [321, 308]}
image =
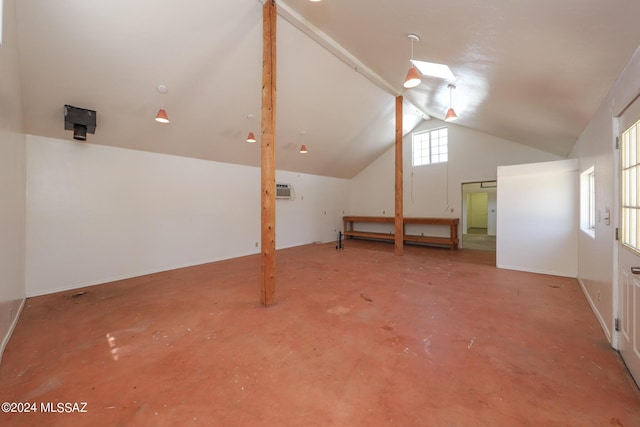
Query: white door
{"type": "Point", "coordinates": [629, 240]}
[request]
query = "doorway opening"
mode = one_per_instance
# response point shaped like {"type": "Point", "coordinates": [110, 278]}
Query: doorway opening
{"type": "Point", "coordinates": [479, 203]}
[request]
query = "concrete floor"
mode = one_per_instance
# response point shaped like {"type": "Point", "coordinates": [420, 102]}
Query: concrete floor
{"type": "Point", "coordinates": [358, 337]}
{"type": "Point", "coordinates": [481, 242]}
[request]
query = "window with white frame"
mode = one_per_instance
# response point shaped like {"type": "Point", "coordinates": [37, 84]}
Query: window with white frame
{"type": "Point", "coordinates": [430, 147]}
{"type": "Point", "coordinates": [630, 190]}
{"type": "Point", "coordinates": [592, 200]}
{"type": "Point", "coordinates": [588, 201]}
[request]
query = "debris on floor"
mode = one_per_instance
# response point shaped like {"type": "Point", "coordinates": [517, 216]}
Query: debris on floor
{"type": "Point", "coordinates": [366, 298]}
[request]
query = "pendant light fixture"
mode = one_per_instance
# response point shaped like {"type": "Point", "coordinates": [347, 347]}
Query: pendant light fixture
{"type": "Point", "coordinates": [413, 78]}
{"type": "Point", "coordinates": [303, 149]}
{"type": "Point", "coordinates": [251, 138]}
{"type": "Point", "coordinates": [451, 114]}
{"type": "Point", "coordinates": [162, 117]}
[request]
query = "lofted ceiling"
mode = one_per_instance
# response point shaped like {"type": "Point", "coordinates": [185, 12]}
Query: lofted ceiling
{"type": "Point", "coordinates": [529, 72]}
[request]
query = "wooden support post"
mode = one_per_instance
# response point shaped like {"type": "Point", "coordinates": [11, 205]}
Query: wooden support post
{"type": "Point", "coordinates": [268, 156]}
{"type": "Point", "coordinates": [399, 214]}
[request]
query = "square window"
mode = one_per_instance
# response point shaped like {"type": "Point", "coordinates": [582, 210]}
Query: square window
{"type": "Point", "coordinates": [430, 147]}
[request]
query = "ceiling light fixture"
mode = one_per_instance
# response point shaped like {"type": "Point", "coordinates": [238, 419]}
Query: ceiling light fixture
{"type": "Point", "coordinates": [303, 149]}
{"type": "Point", "coordinates": [162, 117]}
{"type": "Point", "coordinates": [251, 138]}
{"type": "Point", "coordinates": [413, 78]}
{"type": "Point", "coordinates": [451, 114]}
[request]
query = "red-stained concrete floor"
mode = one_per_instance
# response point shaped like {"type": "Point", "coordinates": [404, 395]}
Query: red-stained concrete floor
{"type": "Point", "coordinates": [358, 337]}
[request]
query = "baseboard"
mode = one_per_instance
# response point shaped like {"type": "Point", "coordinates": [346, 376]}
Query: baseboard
{"type": "Point", "coordinates": [7, 337]}
{"type": "Point", "coordinates": [537, 271]}
{"type": "Point", "coordinates": [603, 324]}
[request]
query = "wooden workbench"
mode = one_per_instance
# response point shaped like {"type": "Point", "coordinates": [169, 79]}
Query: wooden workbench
{"type": "Point", "coordinates": [451, 240]}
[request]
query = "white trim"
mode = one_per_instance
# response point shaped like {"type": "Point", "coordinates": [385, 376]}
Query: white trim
{"type": "Point", "coordinates": [320, 37]}
{"type": "Point", "coordinates": [603, 324]}
{"type": "Point", "coordinates": [534, 270]}
{"type": "Point", "coordinates": [615, 216]}
{"type": "Point", "coordinates": [588, 232]}
{"type": "Point", "coordinates": [333, 47]}
{"type": "Point", "coordinates": [7, 337]}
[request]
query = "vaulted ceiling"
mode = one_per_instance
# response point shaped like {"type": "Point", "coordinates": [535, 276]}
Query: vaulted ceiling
{"type": "Point", "coordinates": [530, 72]}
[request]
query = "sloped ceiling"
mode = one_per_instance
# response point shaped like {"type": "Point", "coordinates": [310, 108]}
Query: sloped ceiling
{"type": "Point", "coordinates": [530, 72]}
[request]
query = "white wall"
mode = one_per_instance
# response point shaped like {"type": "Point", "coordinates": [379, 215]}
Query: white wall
{"type": "Point", "coordinates": [98, 213]}
{"type": "Point", "coordinates": [12, 180]}
{"type": "Point", "coordinates": [436, 190]}
{"type": "Point", "coordinates": [595, 147]}
{"type": "Point", "coordinates": [538, 218]}
{"type": "Point", "coordinates": [315, 213]}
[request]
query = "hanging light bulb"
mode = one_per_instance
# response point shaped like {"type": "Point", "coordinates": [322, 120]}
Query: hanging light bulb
{"type": "Point", "coordinates": [162, 116]}
{"type": "Point", "coordinates": [413, 78]}
{"type": "Point", "coordinates": [451, 114]}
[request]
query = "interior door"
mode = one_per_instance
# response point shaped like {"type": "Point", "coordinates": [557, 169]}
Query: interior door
{"type": "Point", "coordinates": [629, 240]}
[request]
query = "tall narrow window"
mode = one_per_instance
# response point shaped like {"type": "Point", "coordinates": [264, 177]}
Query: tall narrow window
{"type": "Point", "coordinates": [430, 147]}
{"type": "Point", "coordinates": [630, 188]}
{"type": "Point", "coordinates": [592, 200]}
{"type": "Point", "coordinates": [588, 201]}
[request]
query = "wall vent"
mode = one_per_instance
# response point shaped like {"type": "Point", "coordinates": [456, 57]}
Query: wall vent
{"type": "Point", "coordinates": [284, 191]}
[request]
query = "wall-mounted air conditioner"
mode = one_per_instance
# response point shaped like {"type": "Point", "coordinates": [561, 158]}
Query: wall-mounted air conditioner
{"type": "Point", "coordinates": [284, 191]}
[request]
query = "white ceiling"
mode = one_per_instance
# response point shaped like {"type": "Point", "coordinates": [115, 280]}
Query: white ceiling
{"type": "Point", "coordinates": [532, 72]}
